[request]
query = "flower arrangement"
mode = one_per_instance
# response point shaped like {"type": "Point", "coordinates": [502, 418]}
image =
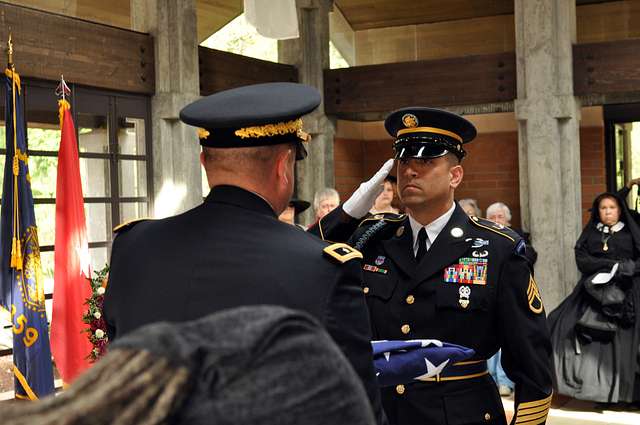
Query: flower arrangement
{"type": "Point", "coordinates": [97, 330]}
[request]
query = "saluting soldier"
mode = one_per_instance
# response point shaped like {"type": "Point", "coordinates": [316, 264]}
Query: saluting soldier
{"type": "Point", "coordinates": [437, 273]}
{"type": "Point", "coordinates": [232, 250]}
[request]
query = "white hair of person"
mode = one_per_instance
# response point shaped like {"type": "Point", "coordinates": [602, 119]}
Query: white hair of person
{"type": "Point", "coordinates": [493, 208]}
{"type": "Point", "coordinates": [322, 194]}
{"type": "Point", "coordinates": [469, 202]}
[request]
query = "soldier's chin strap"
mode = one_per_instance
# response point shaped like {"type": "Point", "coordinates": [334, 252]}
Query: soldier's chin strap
{"type": "Point", "coordinates": [359, 204]}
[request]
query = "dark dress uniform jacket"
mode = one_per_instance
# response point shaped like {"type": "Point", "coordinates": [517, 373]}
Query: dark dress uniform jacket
{"type": "Point", "coordinates": [410, 300]}
{"type": "Point", "coordinates": [232, 251]}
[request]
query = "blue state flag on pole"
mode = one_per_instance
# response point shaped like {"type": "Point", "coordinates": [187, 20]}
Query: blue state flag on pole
{"type": "Point", "coordinates": [21, 282]}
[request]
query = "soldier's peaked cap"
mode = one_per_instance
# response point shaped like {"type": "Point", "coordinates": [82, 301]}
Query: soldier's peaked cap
{"type": "Point", "coordinates": [422, 132]}
{"type": "Point", "coordinates": [255, 115]}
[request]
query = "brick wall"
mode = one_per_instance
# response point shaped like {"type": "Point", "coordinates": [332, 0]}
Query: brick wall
{"type": "Point", "coordinates": [592, 167]}
{"type": "Point", "coordinates": [491, 167]}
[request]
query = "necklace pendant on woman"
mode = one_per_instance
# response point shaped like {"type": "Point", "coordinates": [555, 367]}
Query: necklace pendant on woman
{"type": "Point", "coordinates": [605, 247]}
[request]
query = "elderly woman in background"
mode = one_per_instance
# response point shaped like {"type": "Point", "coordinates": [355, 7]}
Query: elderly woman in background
{"type": "Point", "coordinates": [470, 206]}
{"type": "Point", "coordinates": [325, 201]}
{"type": "Point", "coordinates": [596, 331]}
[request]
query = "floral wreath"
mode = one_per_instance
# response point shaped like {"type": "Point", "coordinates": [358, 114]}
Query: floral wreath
{"type": "Point", "coordinates": [97, 330]}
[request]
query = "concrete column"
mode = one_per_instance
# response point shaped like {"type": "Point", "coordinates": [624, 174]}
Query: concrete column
{"type": "Point", "coordinates": [548, 117]}
{"type": "Point", "coordinates": [176, 167]}
{"type": "Point", "coordinates": [310, 54]}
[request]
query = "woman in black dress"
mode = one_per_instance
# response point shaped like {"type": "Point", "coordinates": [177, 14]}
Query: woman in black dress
{"type": "Point", "coordinates": [595, 332]}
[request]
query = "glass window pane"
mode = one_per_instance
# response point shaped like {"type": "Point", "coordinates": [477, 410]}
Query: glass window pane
{"type": "Point", "coordinates": [94, 173]}
{"type": "Point", "coordinates": [131, 136]}
{"type": "Point", "coordinates": [46, 260]}
{"type": "Point", "coordinates": [133, 178]}
{"type": "Point", "coordinates": [133, 210]}
{"type": "Point", "coordinates": [3, 133]}
{"type": "Point", "coordinates": [93, 133]}
{"type": "Point", "coordinates": [43, 137]}
{"type": "Point", "coordinates": [98, 258]}
{"type": "Point", "coordinates": [99, 224]}
{"type": "Point", "coordinates": [44, 172]}
{"type": "Point", "coordinates": [46, 221]}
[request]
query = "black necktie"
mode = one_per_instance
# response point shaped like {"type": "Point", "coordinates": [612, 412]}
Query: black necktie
{"type": "Point", "coordinates": [422, 244]}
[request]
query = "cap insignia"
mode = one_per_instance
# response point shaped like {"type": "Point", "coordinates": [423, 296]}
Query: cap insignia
{"type": "Point", "coordinates": [410, 120]}
{"type": "Point", "coordinates": [202, 133]}
{"type": "Point", "coordinates": [269, 130]}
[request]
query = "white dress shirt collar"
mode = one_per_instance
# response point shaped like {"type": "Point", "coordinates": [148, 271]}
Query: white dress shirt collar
{"type": "Point", "coordinates": [433, 229]}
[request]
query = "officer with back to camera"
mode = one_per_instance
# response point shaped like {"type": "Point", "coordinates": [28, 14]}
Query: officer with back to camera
{"type": "Point", "coordinates": [231, 250]}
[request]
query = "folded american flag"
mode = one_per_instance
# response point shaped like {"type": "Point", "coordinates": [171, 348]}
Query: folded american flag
{"type": "Point", "coordinates": [402, 362]}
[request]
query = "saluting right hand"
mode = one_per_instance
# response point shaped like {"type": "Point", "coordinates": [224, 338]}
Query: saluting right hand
{"type": "Point", "coordinates": [359, 204]}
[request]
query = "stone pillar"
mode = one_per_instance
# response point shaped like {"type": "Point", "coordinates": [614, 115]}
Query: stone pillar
{"type": "Point", "coordinates": [548, 117]}
{"type": "Point", "coordinates": [176, 166]}
{"type": "Point", "coordinates": [310, 54]}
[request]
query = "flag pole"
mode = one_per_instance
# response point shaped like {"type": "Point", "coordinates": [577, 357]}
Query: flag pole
{"type": "Point", "coordinates": [16, 249]}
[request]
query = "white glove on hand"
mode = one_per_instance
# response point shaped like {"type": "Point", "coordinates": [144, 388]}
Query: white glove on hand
{"type": "Point", "coordinates": [359, 204]}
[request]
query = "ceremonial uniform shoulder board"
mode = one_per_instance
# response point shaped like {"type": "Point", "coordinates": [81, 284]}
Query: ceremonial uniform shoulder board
{"type": "Point", "coordinates": [499, 229]}
{"type": "Point", "coordinates": [341, 252]}
{"type": "Point", "coordinates": [129, 224]}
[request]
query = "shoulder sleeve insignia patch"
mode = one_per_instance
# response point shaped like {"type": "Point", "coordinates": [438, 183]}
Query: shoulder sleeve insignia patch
{"type": "Point", "coordinates": [533, 297]}
{"type": "Point", "coordinates": [128, 224]}
{"type": "Point", "coordinates": [342, 252]}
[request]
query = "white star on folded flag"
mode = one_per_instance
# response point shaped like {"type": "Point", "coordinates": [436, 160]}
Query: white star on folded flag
{"type": "Point", "coordinates": [432, 370]}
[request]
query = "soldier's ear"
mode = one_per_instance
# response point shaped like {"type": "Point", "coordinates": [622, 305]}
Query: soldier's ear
{"type": "Point", "coordinates": [455, 176]}
{"type": "Point", "coordinates": [284, 159]}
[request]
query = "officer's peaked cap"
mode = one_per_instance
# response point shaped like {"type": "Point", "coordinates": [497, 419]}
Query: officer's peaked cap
{"type": "Point", "coordinates": [255, 115]}
{"type": "Point", "coordinates": [422, 132]}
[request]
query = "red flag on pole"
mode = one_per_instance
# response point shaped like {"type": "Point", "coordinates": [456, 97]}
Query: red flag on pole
{"type": "Point", "coordinates": [69, 342]}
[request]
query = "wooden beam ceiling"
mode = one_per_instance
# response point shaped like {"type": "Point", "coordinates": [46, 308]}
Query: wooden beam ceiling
{"type": "Point", "coordinates": [368, 14]}
{"type": "Point", "coordinates": [604, 73]}
{"type": "Point", "coordinates": [86, 53]}
{"type": "Point", "coordinates": [215, 14]}
{"type": "Point", "coordinates": [112, 12]}
{"type": "Point", "coordinates": [212, 14]}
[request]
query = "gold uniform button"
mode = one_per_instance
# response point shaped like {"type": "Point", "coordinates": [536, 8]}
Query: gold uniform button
{"type": "Point", "coordinates": [405, 329]}
{"type": "Point", "coordinates": [365, 289]}
{"type": "Point", "coordinates": [487, 417]}
{"type": "Point", "coordinates": [410, 299]}
{"type": "Point", "coordinates": [400, 389]}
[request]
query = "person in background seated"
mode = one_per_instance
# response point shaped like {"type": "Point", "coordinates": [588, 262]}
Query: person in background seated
{"type": "Point", "coordinates": [258, 365]}
{"type": "Point", "coordinates": [325, 201]}
{"type": "Point", "coordinates": [295, 207]}
{"type": "Point", "coordinates": [500, 213]}
{"type": "Point", "coordinates": [470, 206]}
{"type": "Point", "coordinates": [384, 201]}
{"type": "Point", "coordinates": [595, 331]}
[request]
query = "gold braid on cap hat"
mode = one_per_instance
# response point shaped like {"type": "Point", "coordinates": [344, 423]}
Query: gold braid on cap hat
{"type": "Point", "coordinates": [267, 130]}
